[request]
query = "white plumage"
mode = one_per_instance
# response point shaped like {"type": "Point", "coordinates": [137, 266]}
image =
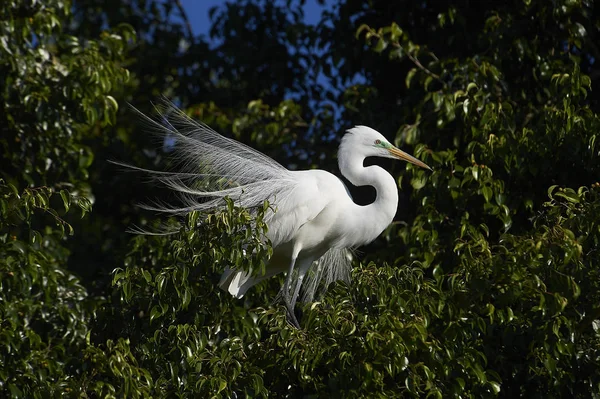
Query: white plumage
{"type": "Point", "coordinates": [315, 224]}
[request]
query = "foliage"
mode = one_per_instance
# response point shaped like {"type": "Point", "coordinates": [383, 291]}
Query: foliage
{"type": "Point", "coordinates": [44, 308]}
{"type": "Point", "coordinates": [487, 284]}
{"type": "Point", "coordinates": [55, 93]}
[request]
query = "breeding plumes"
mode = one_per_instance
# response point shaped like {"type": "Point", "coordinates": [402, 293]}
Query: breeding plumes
{"type": "Point", "coordinates": [315, 222]}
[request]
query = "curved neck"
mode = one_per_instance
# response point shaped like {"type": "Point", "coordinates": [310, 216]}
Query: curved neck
{"type": "Point", "coordinates": [375, 217]}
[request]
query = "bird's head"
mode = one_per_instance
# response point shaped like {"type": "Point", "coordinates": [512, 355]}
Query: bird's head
{"type": "Point", "coordinates": [370, 143]}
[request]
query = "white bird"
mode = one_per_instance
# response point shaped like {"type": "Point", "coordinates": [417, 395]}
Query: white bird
{"type": "Point", "coordinates": [315, 222]}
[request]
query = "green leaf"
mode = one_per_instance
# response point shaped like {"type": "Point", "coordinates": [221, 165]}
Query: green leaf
{"type": "Point", "coordinates": [409, 76]}
{"type": "Point", "coordinates": [396, 32]}
{"type": "Point", "coordinates": [361, 28]}
{"type": "Point", "coordinates": [569, 195]}
{"type": "Point", "coordinates": [381, 45]}
{"type": "Point", "coordinates": [495, 387]}
{"type": "Point", "coordinates": [187, 298]}
{"type": "Point", "coordinates": [147, 275]}
{"type": "Point", "coordinates": [418, 182]}
{"type": "Point", "coordinates": [487, 193]}
{"type": "Point", "coordinates": [66, 198]}
{"type": "Point", "coordinates": [466, 106]}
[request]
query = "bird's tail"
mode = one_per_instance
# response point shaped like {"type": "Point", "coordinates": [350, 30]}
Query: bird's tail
{"type": "Point", "coordinates": [232, 282]}
{"type": "Point", "coordinates": [334, 265]}
{"type": "Point", "coordinates": [210, 167]}
{"type": "Point", "coordinates": [238, 282]}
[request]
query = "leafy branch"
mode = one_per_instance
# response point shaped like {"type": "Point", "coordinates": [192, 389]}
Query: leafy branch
{"type": "Point", "coordinates": [391, 36]}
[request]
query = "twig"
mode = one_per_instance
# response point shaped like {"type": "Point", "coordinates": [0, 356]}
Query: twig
{"type": "Point", "coordinates": [415, 60]}
{"type": "Point", "coordinates": [418, 63]}
{"type": "Point", "coordinates": [186, 21]}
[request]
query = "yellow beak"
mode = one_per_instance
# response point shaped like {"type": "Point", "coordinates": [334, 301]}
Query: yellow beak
{"type": "Point", "coordinates": [408, 158]}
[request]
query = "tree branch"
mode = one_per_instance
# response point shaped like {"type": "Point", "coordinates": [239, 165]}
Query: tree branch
{"type": "Point", "coordinates": [418, 64]}
{"type": "Point", "coordinates": [186, 21]}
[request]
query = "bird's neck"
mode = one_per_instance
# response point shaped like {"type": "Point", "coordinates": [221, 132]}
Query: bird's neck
{"type": "Point", "coordinates": [375, 217]}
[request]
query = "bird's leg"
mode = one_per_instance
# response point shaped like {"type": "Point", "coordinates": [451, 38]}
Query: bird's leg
{"type": "Point", "coordinates": [301, 274]}
{"type": "Point", "coordinates": [286, 295]}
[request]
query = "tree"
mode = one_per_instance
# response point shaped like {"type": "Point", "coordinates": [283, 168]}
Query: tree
{"type": "Point", "coordinates": [55, 94]}
{"type": "Point", "coordinates": [487, 284]}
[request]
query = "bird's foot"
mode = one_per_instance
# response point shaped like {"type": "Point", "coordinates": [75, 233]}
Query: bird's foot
{"type": "Point", "coordinates": [292, 319]}
{"type": "Point", "coordinates": [291, 315]}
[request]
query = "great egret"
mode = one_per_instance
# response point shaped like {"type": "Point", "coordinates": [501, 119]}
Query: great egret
{"type": "Point", "coordinates": [315, 222]}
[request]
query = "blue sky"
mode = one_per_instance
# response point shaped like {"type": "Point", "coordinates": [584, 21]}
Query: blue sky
{"type": "Point", "coordinates": [197, 13]}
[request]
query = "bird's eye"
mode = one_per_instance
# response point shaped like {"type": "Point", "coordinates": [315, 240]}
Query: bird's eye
{"type": "Point", "coordinates": [377, 142]}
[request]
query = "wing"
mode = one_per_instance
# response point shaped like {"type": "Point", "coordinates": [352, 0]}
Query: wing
{"type": "Point", "coordinates": [300, 204]}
